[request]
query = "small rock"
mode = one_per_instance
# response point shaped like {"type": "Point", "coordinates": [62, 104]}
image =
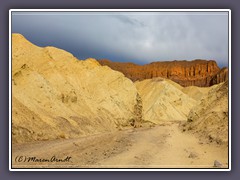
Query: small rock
{"type": "Point", "coordinates": [192, 155]}
{"type": "Point", "coordinates": [75, 144]}
{"type": "Point", "coordinates": [217, 164]}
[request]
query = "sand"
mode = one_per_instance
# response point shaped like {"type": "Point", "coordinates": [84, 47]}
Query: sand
{"type": "Point", "coordinates": [162, 146]}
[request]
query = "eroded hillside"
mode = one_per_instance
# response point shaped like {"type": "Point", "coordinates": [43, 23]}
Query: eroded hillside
{"type": "Point", "coordinates": [209, 119]}
{"type": "Point", "coordinates": [56, 95]}
{"type": "Point", "coordinates": [164, 100]}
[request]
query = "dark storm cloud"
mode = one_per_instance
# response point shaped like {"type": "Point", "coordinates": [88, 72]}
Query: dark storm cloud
{"type": "Point", "coordinates": [129, 36]}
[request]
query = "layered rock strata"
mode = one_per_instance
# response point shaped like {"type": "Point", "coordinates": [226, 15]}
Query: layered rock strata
{"type": "Point", "coordinates": [200, 73]}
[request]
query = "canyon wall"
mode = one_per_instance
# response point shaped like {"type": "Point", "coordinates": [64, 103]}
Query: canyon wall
{"type": "Point", "coordinates": [221, 76]}
{"type": "Point", "coordinates": [200, 73]}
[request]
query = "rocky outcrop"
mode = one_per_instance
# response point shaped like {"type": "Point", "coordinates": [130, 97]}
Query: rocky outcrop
{"type": "Point", "coordinates": [209, 119]}
{"type": "Point", "coordinates": [221, 76]}
{"type": "Point", "coordinates": [186, 73]}
{"type": "Point", "coordinates": [56, 95]}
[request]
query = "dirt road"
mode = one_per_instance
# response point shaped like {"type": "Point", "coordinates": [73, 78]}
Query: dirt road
{"type": "Point", "coordinates": [162, 146]}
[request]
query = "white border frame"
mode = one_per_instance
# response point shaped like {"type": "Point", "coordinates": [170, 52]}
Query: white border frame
{"type": "Point", "coordinates": [118, 10]}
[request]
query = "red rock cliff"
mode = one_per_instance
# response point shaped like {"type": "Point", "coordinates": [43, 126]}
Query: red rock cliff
{"type": "Point", "coordinates": [186, 73]}
{"type": "Point", "coordinates": [221, 76]}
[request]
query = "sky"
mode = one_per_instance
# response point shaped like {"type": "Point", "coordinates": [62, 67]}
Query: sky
{"type": "Point", "coordinates": [138, 37]}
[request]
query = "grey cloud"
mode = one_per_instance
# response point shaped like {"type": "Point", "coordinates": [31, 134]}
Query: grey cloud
{"type": "Point", "coordinates": [129, 20]}
{"type": "Point", "coordinates": [138, 37]}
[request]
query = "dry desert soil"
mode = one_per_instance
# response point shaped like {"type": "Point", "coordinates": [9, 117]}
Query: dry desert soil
{"type": "Point", "coordinates": [162, 146]}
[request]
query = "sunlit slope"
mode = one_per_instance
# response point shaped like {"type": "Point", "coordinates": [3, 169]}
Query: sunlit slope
{"type": "Point", "coordinates": [56, 95]}
{"type": "Point", "coordinates": [164, 100]}
{"type": "Point", "coordinates": [210, 117]}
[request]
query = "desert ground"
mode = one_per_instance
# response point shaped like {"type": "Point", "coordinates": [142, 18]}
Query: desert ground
{"type": "Point", "coordinates": [161, 146]}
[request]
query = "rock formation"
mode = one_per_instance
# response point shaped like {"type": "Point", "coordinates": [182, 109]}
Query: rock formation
{"type": "Point", "coordinates": [164, 100]}
{"type": "Point", "coordinates": [210, 117]}
{"type": "Point", "coordinates": [55, 95]}
{"type": "Point", "coordinates": [186, 73]}
{"type": "Point", "coordinates": [221, 76]}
